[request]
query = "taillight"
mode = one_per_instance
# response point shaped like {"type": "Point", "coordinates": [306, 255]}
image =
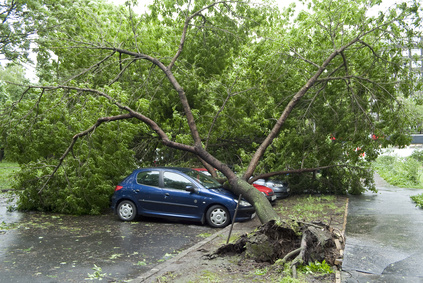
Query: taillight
{"type": "Point", "coordinates": [118, 188]}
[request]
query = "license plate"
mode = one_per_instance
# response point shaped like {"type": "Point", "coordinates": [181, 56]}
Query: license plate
{"type": "Point", "coordinates": [273, 198]}
{"type": "Point", "coordinates": [253, 215]}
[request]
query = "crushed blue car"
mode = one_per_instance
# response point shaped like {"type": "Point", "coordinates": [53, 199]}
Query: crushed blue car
{"type": "Point", "coordinates": [177, 193]}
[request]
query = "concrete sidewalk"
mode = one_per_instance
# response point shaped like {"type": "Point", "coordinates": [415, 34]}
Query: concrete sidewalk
{"type": "Point", "coordinates": [192, 256]}
{"type": "Point", "coordinates": [384, 237]}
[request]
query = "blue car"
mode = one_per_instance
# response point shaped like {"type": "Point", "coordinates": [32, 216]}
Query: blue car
{"type": "Point", "coordinates": [179, 193]}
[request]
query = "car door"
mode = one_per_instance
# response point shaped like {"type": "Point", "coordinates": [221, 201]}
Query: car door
{"type": "Point", "coordinates": [178, 200]}
{"type": "Point", "coordinates": [148, 192]}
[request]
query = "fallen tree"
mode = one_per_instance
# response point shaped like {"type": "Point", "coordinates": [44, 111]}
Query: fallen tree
{"type": "Point", "coordinates": [316, 76]}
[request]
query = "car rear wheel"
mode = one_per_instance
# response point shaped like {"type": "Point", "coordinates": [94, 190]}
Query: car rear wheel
{"type": "Point", "coordinates": [127, 211]}
{"type": "Point", "coordinates": [217, 216]}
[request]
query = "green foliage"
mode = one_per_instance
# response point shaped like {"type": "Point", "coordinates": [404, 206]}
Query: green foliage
{"type": "Point", "coordinates": [316, 267]}
{"type": "Point", "coordinates": [97, 274]}
{"type": "Point", "coordinates": [335, 180]}
{"type": "Point", "coordinates": [418, 199]}
{"type": "Point", "coordinates": [86, 180]}
{"type": "Point", "coordinates": [22, 20]}
{"type": "Point", "coordinates": [401, 171]}
{"type": "Point", "coordinates": [7, 170]}
{"type": "Point", "coordinates": [417, 155]}
{"type": "Point", "coordinates": [15, 74]}
{"type": "Point", "coordinates": [18, 23]}
{"type": "Point", "coordinates": [240, 66]}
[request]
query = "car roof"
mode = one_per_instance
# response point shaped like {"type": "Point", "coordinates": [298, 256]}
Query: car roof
{"type": "Point", "coordinates": [181, 169]}
{"type": "Point", "coordinates": [200, 169]}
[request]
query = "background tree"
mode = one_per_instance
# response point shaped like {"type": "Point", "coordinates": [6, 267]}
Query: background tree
{"type": "Point", "coordinates": [224, 81]}
{"type": "Point", "coordinates": [12, 73]}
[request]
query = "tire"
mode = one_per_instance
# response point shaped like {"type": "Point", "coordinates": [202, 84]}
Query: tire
{"type": "Point", "coordinates": [126, 210]}
{"type": "Point", "coordinates": [218, 216]}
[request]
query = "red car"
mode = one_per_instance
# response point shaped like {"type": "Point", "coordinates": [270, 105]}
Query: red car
{"type": "Point", "coordinates": [268, 192]}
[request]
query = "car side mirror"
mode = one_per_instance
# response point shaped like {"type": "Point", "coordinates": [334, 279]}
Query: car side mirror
{"type": "Point", "coordinates": [190, 189]}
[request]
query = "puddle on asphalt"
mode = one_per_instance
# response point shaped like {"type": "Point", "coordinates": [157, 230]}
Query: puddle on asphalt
{"type": "Point", "coordinates": [41, 247]}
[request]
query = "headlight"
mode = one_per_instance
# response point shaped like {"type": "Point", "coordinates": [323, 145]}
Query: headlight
{"type": "Point", "coordinates": [264, 193]}
{"type": "Point", "coordinates": [243, 203]}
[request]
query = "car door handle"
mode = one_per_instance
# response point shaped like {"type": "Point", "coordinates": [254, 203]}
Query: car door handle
{"type": "Point", "coordinates": [167, 194]}
{"type": "Point", "coordinates": [137, 190]}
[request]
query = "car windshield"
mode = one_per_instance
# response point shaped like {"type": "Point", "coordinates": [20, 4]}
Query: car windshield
{"type": "Point", "coordinates": [205, 180]}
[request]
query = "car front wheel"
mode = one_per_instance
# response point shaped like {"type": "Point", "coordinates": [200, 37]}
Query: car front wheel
{"type": "Point", "coordinates": [127, 211]}
{"type": "Point", "coordinates": [217, 216]}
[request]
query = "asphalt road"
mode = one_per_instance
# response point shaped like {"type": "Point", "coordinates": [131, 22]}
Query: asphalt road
{"type": "Point", "coordinates": [40, 247]}
{"type": "Point", "coordinates": [384, 236]}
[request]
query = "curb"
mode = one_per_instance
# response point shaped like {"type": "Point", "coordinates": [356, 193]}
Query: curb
{"type": "Point", "coordinates": [338, 274]}
{"type": "Point", "coordinates": [165, 265]}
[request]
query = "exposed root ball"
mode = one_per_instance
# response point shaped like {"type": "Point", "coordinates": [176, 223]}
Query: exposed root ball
{"type": "Point", "coordinates": [300, 242]}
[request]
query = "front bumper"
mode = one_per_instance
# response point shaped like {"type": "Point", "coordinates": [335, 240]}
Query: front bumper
{"type": "Point", "coordinates": [272, 198]}
{"type": "Point", "coordinates": [245, 213]}
{"type": "Point", "coordinates": [281, 192]}
{"type": "Point", "coordinates": [282, 195]}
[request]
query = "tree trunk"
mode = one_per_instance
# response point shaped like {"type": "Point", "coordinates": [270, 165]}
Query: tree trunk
{"type": "Point", "coordinates": [264, 209]}
{"type": "Point", "coordinates": [239, 186]}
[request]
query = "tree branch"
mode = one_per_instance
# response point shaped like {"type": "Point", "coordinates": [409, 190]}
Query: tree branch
{"type": "Point", "coordinates": [294, 171]}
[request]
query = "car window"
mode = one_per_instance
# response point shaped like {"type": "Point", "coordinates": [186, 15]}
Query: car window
{"type": "Point", "coordinates": [205, 180]}
{"type": "Point", "coordinates": [148, 178]}
{"type": "Point", "coordinates": [175, 181]}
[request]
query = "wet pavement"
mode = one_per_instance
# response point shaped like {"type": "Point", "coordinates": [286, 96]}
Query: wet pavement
{"type": "Point", "coordinates": [384, 236]}
{"type": "Point", "coordinates": [40, 247]}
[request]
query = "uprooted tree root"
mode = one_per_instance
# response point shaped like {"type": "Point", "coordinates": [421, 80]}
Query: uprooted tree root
{"type": "Point", "coordinates": [299, 243]}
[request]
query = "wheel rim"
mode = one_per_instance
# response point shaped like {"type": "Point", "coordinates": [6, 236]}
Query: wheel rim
{"type": "Point", "coordinates": [126, 211]}
{"type": "Point", "coordinates": [218, 216]}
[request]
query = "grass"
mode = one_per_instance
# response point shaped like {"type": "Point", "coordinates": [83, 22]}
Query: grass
{"type": "Point", "coordinates": [312, 208]}
{"type": "Point", "coordinates": [7, 169]}
{"type": "Point", "coordinates": [405, 172]}
{"type": "Point", "coordinates": [418, 199]}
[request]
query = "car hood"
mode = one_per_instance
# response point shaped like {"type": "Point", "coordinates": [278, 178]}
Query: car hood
{"type": "Point", "coordinates": [223, 191]}
{"type": "Point", "coordinates": [262, 188]}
